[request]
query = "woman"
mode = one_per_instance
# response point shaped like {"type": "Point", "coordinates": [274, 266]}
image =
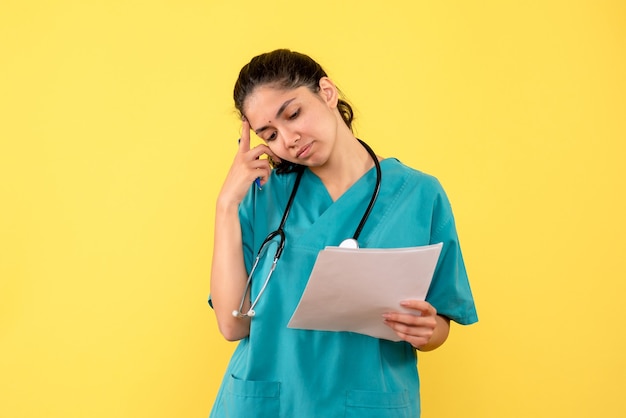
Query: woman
{"type": "Point", "coordinates": [287, 99]}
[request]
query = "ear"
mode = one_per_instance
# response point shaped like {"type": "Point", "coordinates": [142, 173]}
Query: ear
{"type": "Point", "coordinates": [329, 92]}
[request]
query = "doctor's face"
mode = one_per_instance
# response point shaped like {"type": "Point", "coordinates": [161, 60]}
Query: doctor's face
{"type": "Point", "coordinates": [298, 125]}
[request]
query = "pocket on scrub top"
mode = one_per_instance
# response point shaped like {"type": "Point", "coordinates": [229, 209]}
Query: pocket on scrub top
{"type": "Point", "coordinates": [368, 404]}
{"type": "Point", "coordinates": [245, 397]}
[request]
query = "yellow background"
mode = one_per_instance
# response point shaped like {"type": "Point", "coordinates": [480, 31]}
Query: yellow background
{"type": "Point", "coordinates": [117, 128]}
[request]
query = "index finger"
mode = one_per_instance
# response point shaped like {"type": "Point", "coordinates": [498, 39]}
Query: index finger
{"type": "Point", "coordinates": [419, 305]}
{"type": "Point", "coordinates": [244, 140]}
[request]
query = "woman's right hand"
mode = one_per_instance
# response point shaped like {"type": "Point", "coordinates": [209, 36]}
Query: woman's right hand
{"type": "Point", "coordinates": [247, 166]}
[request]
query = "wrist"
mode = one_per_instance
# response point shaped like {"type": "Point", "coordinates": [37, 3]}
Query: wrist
{"type": "Point", "coordinates": [226, 205]}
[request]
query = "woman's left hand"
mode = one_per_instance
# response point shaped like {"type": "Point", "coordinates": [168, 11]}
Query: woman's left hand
{"type": "Point", "coordinates": [423, 329]}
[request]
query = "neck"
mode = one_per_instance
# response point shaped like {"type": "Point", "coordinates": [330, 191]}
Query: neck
{"type": "Point", "coordinates": [349, 162]}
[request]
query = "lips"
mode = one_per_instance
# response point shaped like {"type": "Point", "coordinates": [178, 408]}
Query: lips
{"type": "Point", "coordinates": [302, 152]}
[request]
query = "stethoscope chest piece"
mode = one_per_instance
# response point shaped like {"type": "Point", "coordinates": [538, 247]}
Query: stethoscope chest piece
{"type": "Point", "coordinates": [349, 243]}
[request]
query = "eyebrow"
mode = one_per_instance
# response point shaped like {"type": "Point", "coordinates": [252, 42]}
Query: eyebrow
{"type": "Point", "coordinates": [281, 109]}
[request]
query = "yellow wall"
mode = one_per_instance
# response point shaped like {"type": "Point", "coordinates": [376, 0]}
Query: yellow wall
{"type": "Point", "coordinates": [117, 127]}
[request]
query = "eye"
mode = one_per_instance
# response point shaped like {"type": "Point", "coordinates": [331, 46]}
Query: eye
{"type": "Point", "coordinates": [271, 137]}
{"type": "Point", "coordinates": [294, 114]}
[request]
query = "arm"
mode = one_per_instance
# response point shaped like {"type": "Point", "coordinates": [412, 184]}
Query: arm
{"type": "Point", "coordinates": [426, 331]}
{"type": "Point", "coordinates": [228, 271]}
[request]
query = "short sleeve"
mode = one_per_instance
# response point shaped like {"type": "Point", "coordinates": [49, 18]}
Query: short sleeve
{"type": "Point", "coordinates": [450, 292]}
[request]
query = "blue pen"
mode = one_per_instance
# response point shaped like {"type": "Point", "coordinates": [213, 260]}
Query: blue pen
{"type": "Point", "coordinates": [257, 180]}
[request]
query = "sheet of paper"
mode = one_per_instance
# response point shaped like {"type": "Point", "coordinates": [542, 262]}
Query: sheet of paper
{"type": "Point", "coordinates": [350, 289]}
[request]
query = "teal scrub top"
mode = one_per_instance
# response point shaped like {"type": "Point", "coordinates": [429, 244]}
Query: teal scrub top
{"type": "Point", "coordinates": [282, 372]}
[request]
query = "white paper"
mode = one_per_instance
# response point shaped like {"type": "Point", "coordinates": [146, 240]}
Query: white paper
{"type": "Point", "coordinates": [349, 289]}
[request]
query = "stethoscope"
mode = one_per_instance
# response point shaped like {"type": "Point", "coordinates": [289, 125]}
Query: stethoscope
{"type": "Point", "coordinates": [280, 233]}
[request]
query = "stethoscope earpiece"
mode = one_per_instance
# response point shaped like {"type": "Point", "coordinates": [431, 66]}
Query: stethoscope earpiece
{"type": "Point", "coordinates": [238, 314]}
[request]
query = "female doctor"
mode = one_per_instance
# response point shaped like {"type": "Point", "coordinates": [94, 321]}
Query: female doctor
{"type": "Point", "coordinates": [317, 182]}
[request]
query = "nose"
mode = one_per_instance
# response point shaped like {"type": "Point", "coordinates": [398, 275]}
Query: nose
{"type": "Point", "coordinates": [291, 137]}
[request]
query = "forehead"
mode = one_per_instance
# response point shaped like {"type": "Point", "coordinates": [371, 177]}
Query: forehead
{"type": "Point", "coordinates": [267, 99]}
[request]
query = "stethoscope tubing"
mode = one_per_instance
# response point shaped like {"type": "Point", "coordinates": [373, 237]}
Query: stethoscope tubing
{"type": "Point", "coordinates": [280, 232]}
{"type": "Point", "coordinates": [370, 206]}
